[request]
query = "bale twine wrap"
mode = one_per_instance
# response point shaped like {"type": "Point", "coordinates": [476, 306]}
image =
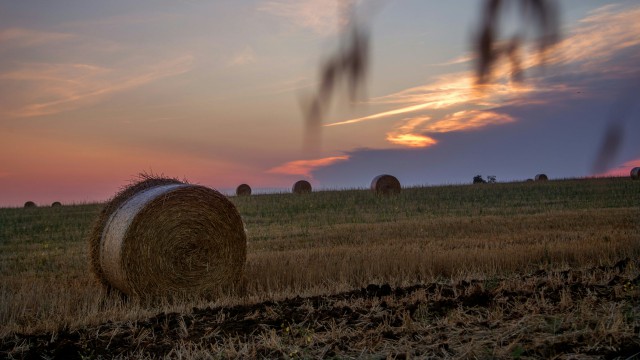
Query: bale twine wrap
{"type": "Point", "coordinates": [301, 187]}
{"type": "Point", "coordinates": [385, 185]}
{"type": "Point", "coordinates": [161, 237]}
{"type": "Point", "coordinates": [635, 173]}
{"type": "Point", "coordinates": [541, 177]}
{"type": "Point", "coordinates": [243, 190]}
{"type": "Point", "coordinates": [30, 204]}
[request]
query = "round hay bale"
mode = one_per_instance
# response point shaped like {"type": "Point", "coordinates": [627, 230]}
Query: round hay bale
{"type": "Point", "coordinates": [162, 237]}
{"type": "Point", "coordinates": [30, 204]}
{"type": "Point", "coordinates": [635, 173]}
{"type": "Point", "coordinates": [301, 187]}
{"type": "Point", "coordinates": [243, 190]}
{"type": "Point", "coordinates": [529, 180]}
{"type": "Point", "coordinates": [385, 185]}
{"type": "Point", "coordinates": [56, 204]}
{"type": "Point", "coordinates": [541, 177]}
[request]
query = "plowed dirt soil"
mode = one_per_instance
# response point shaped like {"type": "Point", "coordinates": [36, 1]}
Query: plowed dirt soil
{"type": "Point", "coordinates": [588, 313]}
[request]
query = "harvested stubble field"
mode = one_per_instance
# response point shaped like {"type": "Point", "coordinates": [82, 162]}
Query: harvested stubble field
{"type": "Point", "coordinates": [514, 270]}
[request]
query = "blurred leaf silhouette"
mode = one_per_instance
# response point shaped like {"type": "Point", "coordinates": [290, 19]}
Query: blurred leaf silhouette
{"type": "Point", "coordinates": [489, 48]}
{"type": "Point", "coordinates": [350, 63]}
{"type": "Point", "coordinates": [613, 134]}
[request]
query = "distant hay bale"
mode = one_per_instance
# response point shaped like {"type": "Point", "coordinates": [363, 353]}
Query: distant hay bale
{"type": "Point", "coordinates": [243, 190]}
{"type": "Point", "coordinates": [301, 187]}
{"type": "Point", "coordinates": [162, 237]}
{"type": "Point", "coordinates": [56, 204]}
{"type": "Point", "coordinates": [529, 180]}
{"type": "Point", "coordinates": [635, 173]}
{"type": "Point", "coordinates": [541, 177]}
{"type": "Point", "coordinates": [30, 204]}
{"type": "Point", "coordinates": [385, 185]}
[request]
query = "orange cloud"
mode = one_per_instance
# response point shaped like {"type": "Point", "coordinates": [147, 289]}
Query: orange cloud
{"type": "Point", "coordinates": [305, 167]}
{"type": "Point", "coordinates": [411, 132]}
{"type": "Point", "coordinates": [467, 120]}
{"type": "Point", "coordinates": [448, 92]}
{"type": "Point", "coordinates": [411, 140]}
{"type": "Point", "coordinates": [407, 134]}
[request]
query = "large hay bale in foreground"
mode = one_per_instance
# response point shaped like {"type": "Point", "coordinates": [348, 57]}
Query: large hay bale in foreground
{"type": "Point", "coordinates": [243, 190]}
{"type": "Point", "coordinates": [301, 187]}
{"type": "Point", "coordinates": [162, 237]}
{"type": "Point", "coordinates": [30, 204]}
{"type": "Point", "coordinates": [541, 177]}
{"type": "Point", "coordinates": [385, 185]}
{"type": "Point", "coordinates": [635, 173]}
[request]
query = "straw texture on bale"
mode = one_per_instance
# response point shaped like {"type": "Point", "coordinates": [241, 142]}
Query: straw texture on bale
{"type": "Point", "coordinates": [635, 173]}
{"type": "Point", "coordinates": [301, 187]}
{"type": "Point", "coordinates": [30, 204]}
{"type": "Point", "coordinates": [56, 204]}
{"type": "Point", "coordinates": [541, 177]}
{"type": "Point", "coordinates": [385, 185]}
{"type": "Point", "coordinates": [243, 190]}
{"type": "Point", "coordinates": [162, 237]}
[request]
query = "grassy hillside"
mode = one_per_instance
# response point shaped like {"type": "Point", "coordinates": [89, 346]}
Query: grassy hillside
{"type": "Point", "coordinates": [330, 242]}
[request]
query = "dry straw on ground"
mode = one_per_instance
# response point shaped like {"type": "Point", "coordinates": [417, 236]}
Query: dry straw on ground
{"type": "Point", "coordinates": [385, 185]}
{"type": "Point", "coordinates": [301, 187]}
{"type": "Point", "coordinates": [541, 177]}
{"type": "Point", "coordinates": [30, 204]}
{"type": "Point", "coordinates": [243, 190]}
{"type": "Point", "coordinates": [162, 237]}
{"type": "Point", "coordinates": [635, 173]}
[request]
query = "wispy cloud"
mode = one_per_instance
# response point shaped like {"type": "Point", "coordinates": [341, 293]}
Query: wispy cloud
{"type": "Point", "coordinates": [467, 120]}
{"type": "Point", "coordinates": [244, 57]}
{"type": "Point", "coordinates": [305, 167]}
{"type": "Point", "coordinates": [412, 132]}
{"type": "Point", "coordinates": [124, 19]}
{"type": "Point", "coordinates": [453, 102]}
{"type": "Point", "coordinates": [411, 140]}
{"type": "Point", "coordinates": [406, 133]}
{"type": "Point", "coordinates": [20, 37]}
{"type": "Point", "coordinates": [320, 16]}
{"type": "Point", "coordinates": [621, 170]}
{"type": "Point", "coordinates": [448, 92]}
{"type": "Point", "coordinates": [53, 88]}
{"type": "Point", "coordinates": [599, 37]}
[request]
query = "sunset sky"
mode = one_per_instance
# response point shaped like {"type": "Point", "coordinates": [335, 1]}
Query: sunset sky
{"type": "Point", "coordinates": [93, 93]}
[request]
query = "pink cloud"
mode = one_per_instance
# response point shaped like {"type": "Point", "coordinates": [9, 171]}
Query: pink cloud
{"type": "Point", "coordinates": [26, 37]}
{"type": "Point", "coordinates": [54, 88]}
{"type": "Point", "coordinates": [305, 167]}
{"type": "Point", "coordinates": [621, 170]}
